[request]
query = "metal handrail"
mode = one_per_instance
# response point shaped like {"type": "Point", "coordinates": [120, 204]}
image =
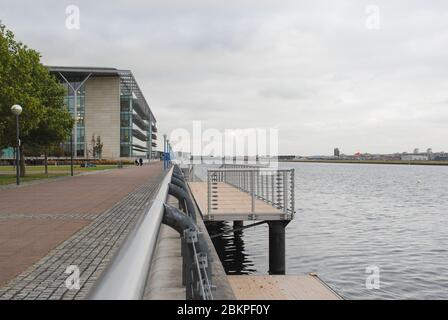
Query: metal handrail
{"type": "Point", "coordinates": [273, 186]}
{"type": "Point", "coordinates": [242, 166]}
{"type": "Point", "coordinates": [119, 281]}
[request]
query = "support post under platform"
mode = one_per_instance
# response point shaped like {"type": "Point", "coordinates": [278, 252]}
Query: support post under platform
{"type": "Point", "coordinates": [277, 264]}
{"type": "Point", "coordinates": [238, 224]}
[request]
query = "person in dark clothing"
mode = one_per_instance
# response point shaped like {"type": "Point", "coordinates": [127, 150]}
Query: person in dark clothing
{"type": "Point", "coordinates": [140, 161]}
{"type": "Point", "coordinates": [136, 162]}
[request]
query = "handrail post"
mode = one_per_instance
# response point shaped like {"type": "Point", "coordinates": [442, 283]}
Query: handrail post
{"type": "Point", "coordinates": [273, 186]}
{"type": "Point", "coordinates": [285, 193]}
{"type": "Point", "coordinates": [252, 187]}
{"type": "Point", "coordinates": [293, 177]}
{"type": "Point", "coordinates": [209, 193]}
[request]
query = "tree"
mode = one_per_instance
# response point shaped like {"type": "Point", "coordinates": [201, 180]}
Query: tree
{"type": "Point", "coordinates": [53, 129]}
{"type": "Point", "coordinates": [97, 147]}
{"type": "Point", "coordinates": [92, 147]}
{"type": "Point", "coordinates": [26, 81]}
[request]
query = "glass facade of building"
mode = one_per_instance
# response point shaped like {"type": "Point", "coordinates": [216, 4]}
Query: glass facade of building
{"type": "Point", "coordinates": [69, 102]}
{"type": "Point", "coordinates": [125, 124]}
{"type": "Point", "coordinates": [135, 124]}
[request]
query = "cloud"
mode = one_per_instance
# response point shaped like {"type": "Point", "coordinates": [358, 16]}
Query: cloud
{"type": "Point", "coordinates": [310, 68]}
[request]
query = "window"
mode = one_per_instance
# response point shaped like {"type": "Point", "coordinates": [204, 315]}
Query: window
{"type": "Point", "coordinates": [125, 150]}
{"type": "Point", "coordinates": [80, 150]}
{"type": "Point", "coordinates": [125, 104]}
{"type": "Point", "coordinates": [125, 135]}
{"type": "Point", "coordinates": [125, 120]}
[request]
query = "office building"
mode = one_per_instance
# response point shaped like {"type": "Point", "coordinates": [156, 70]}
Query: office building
{"type": "Point", "coordinates": [107, 103]}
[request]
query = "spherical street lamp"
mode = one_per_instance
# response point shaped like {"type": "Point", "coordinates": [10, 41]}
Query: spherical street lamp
{"type": "Point", "coordinates": [17, 110]}
{"type": "Point", "coordinates": [165, 163]}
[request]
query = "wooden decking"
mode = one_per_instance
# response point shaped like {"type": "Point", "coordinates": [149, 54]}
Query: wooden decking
{"type": "Point", "coordinates": [289, 287]}
{"type": "Point", "coordinates": [232, 204]}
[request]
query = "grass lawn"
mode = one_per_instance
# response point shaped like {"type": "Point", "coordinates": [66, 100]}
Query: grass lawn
{"type": "Point", "coordinates": [8, 173]}
{"type": "Point", "coordinates": [53, 168]}
{"type": "Point", "coordinates": [10, 179]}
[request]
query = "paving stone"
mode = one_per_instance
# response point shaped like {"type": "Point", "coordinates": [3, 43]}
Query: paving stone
{"type": "Point", "coordinates": [91, 249]}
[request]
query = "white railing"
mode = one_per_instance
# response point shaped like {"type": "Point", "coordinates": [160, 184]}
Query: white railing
{"type": "Point", "coordinates": [274, 187]}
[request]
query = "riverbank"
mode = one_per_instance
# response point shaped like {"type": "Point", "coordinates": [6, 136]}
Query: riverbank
{"type": "Point", "coordinates": [396, 162]}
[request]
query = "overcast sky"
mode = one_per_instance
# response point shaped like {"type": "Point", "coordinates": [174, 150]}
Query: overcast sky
{"type": "Point", "coordinates": [312, 69]}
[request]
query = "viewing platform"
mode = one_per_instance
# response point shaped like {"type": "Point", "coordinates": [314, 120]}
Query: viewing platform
{"type": "Point", "coordinates": [241, 193]}
{"type": "Point", "coordinates": [244, 194]}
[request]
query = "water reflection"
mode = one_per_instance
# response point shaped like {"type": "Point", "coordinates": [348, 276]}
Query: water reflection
{"type": "Point", "coordinates": [231, 248]}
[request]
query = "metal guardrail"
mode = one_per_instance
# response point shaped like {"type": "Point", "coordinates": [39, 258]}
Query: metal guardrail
{"type": "Point", "coordinates": [196, 273]}
{"type": "Point", "coordinates": [242, 166]}
{"type": "Point", "coordinates": [126, 275]}
{"type": "Point", "coordinates": [196, 265]}
{"type": "Point", "coordinates": [118, 281]}
{"type": "Point", "coordinates": [273, 186]}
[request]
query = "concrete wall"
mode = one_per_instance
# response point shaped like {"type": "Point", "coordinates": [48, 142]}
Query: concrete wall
{"type": "Point", "coordinates": [103, 113]}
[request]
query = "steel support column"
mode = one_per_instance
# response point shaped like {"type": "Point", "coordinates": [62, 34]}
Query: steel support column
{"type": "Point", "coordinates": [17, 151]}
{"type": "Point", "coordinates": [238, 224]}
{"type": "Point", "coordinates": [277, 243]}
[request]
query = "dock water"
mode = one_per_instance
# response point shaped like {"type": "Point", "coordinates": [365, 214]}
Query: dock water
{"type": "Point", "coordinates": [259, 287]}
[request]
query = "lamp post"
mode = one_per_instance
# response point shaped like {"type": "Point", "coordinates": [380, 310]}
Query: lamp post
{"type": "Point", "coordinates": [75, 130]}
{"type": "Point", "coordinates": [167, 153]}
{"type": "Point", "coordinates": [71, 153]}
{"type": "Point", "coordinates": [17, 110]}
{"type": "Point", "coordinates": [164, 152]}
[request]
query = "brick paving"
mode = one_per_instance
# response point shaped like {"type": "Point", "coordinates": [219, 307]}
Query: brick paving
{"type": "Point", "coordinates": [46, 236]}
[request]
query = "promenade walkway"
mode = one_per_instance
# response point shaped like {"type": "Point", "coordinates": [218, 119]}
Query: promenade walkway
{"type": "Point", "coordinates": [81, 221]}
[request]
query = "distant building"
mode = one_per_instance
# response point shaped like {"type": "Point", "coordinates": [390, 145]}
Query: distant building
{"type": "Point", "coordinates": [441, 156]}
{"type": "Point", "coordinates": [430, 154]}
{"type": "Point", "coordinates": [336, 153]}
{"type": "Point", "coordinates": [286, 157]}
{"type": "Point", "coordinates": [414, 157]}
